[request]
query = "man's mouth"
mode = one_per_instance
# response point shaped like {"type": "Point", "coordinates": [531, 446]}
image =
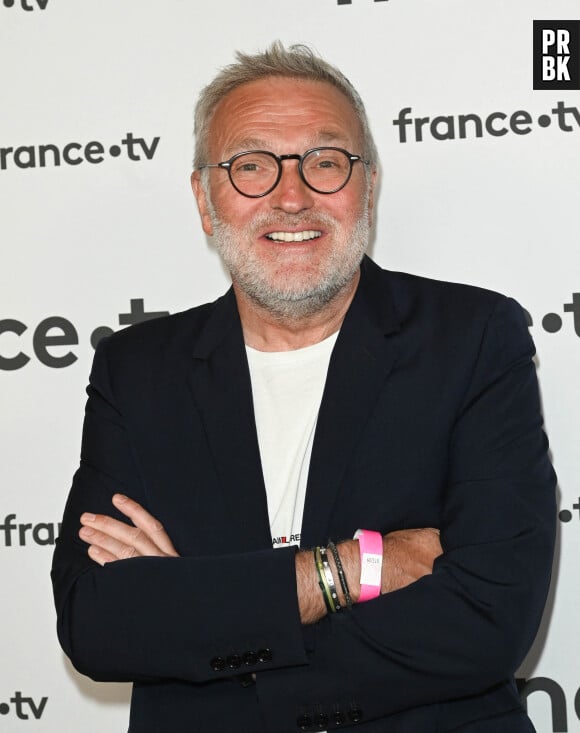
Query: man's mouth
{"type": "Point", "coordinates": [302, 236]}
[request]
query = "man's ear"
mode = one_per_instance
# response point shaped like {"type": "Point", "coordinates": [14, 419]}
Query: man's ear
{"type": "Point", "coordinates": [374, 174]}
{"type": "Point", "coordinates": [202, 203]}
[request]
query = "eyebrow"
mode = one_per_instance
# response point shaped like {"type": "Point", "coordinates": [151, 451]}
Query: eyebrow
{"type": "Point", "coordinates": [247, 143]}
{"type": "Point", "coordinates": [330, 136]}
{"type": "Point", "coordinates": [323, 137]}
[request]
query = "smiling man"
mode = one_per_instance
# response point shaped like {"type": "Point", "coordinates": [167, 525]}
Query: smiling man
{"type": "Point", "coordinates": [291, 253]}
{"type": "Point", "coordinates": [337, 507]}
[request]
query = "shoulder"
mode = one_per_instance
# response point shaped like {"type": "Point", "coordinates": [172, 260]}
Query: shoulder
{"type": "Point", "coordinates": [446, 322]}
{"type": "Point", "coordinates": [417, 298]}
{"type": "Point", "coordinates": [170, 337]}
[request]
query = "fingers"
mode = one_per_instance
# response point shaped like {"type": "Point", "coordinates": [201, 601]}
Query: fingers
{"type": "Point", "coordinates": [116, 541]}
{"type": "Point", "coordinates": [110, 539]}
{"type": "Point", "coordinates": [100, 556]}
{"type": "Point", "coordinates": [146, 522]}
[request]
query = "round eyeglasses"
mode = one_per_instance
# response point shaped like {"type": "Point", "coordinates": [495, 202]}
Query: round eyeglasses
{"type": "Point", "coordinates": [255, 173]}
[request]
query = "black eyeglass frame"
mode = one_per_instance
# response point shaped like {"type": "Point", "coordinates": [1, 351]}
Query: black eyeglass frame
{"type": "Point", "coordinates": [227, 165]}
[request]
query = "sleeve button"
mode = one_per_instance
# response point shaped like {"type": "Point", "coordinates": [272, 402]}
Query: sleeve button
{"type": "Point", "coordinates": [234, 661]}
{"type": "Point", "coordinates": [304, 722]}
{"type": "Point", "coordinates": [355, 715]}
{"type": "Point", "coordinates": [218, 664]}
{"type": "Point", "coordinates": [338, 718]}
{"type": "Point", "coordinates": [322, 720]}
{"type": "Point", "coordinates": [265, 655]}
{"type": "Point", "coordinates": [250, 658]}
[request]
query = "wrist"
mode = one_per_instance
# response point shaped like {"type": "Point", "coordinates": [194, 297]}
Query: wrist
{"type": "Point", "coordinates": [350, 557]}
{"type": "Point", "coordinates": [310, 601]}
{"type": "Point", "coordinates": [371, 563]}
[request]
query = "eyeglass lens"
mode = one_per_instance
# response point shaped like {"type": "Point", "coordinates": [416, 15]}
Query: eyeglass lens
{"type": "Point", "coordinates": [324, 169]}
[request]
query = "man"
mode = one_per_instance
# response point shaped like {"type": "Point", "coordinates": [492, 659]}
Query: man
{"type": "Point", "coordinates": [320, 396]}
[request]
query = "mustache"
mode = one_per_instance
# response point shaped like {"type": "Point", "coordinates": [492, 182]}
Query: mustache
{"type": "Point", "coordinates": [279, 221]}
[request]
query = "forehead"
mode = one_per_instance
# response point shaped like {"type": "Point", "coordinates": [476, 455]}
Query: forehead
{"type": "Point", "coordinates": [279, 113]}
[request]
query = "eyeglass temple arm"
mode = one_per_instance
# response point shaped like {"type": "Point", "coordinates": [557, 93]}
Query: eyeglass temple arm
{"type": "Point", "coordinates": [224, 164]}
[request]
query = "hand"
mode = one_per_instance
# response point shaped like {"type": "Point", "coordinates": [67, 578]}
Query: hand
{"type": "Point", "coordinates": [110, 540]}
{"type": "Point", "coordinates": [408, 554]}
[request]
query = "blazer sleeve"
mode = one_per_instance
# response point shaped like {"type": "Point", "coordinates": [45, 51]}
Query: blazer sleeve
{"type": "Point", "coordinates": [467, 627]}
{"type": "Point", "coordinates": [191, 618]}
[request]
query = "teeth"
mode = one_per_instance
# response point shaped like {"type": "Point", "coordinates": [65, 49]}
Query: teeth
{"type": "Point", "coordinates": [294, 236]}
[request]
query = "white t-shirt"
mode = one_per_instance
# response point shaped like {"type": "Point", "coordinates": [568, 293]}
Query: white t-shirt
{"type": "Point", "coordinates": [287, 389]}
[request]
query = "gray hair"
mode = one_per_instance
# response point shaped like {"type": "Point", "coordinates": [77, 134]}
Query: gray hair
{"type": "Point", "coordinates": [296, 62]}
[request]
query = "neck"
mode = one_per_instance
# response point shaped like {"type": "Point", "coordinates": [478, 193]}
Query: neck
{"type": "Point", "coordinates": [265, 331]}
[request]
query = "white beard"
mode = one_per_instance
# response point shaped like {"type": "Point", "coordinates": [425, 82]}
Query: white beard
{"type": "Point", "coordinates": [288, 297]}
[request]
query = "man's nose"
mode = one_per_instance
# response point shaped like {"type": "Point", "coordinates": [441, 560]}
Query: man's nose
{"type": "Point", "coordinates": [291, 194]}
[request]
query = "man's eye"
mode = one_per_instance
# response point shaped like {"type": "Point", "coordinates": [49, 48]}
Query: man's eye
{"type": "Point", "coordinates": [247, 167]}
{"type": "Point", "coordinates": [327, 163]}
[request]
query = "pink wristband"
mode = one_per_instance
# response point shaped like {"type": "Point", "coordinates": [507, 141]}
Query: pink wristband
{"type": "Point", "coordinates": [371, 562]}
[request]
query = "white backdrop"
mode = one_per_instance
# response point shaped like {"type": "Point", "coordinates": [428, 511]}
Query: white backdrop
{"type": "Point", "coordinates": [83, 239]}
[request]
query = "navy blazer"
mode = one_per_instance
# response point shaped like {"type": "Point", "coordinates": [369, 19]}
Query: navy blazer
{"type": "Point", "coordinates": [430, 417]}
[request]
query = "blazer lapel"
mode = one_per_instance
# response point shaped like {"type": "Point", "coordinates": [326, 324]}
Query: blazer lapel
{"type": "Point", "coordinates": [362, 359]}
{"type": "Point", "coordinates": [222, 391]}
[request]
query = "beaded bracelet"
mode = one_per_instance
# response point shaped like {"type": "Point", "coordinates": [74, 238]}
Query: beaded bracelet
{"type": "Point", "coordinates": [341, 574]}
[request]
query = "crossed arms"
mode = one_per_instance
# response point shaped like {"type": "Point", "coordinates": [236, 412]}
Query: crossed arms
{"type": "Point", "coordinates": [159, 616]}
{"type": "Point", "coordinates": [409, 554]}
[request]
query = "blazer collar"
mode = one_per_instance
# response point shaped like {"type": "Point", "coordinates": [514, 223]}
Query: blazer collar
{"type": "Point", "coordinates": [223, 324]}
{"type": "Point", "coordinates": [221, 388]}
